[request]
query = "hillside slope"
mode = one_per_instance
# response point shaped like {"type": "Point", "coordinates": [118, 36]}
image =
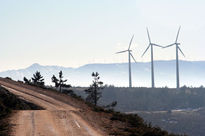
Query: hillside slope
{"type": "Point", "coordinates": [9, 102]}
{"type": "Point", "coordinates": [80, 119]}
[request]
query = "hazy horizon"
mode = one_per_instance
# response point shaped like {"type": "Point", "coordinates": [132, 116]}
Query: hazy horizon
{"type": "Point", "coordinates": [73, 33]}
{"type": "Point", "coordinates": [117, 73]}
{"type": "Point", "coordinates": [18, 68]}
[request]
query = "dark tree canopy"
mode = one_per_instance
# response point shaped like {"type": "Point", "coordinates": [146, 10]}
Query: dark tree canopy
{"type": "Point", "coordinates": [60, 82]}
{"type": "Point", "coordinates": [55, 81]}
{"type": "Point", "coordinates": [27, 81]}
{"type": "Point", "coordinates": [38, 79]}
{"type": "Point", "coordinates": [93, 91]}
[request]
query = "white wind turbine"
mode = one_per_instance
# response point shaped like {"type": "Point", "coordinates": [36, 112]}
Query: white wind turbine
{"type": "Point", "coordinates": [152, 62]}
{"type": "Point", "coordinates": [177, 57]}
{"type": "Point", "coordinates": [129, 60]}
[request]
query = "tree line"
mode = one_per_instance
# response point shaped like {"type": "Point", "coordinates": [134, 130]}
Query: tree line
{"type": "Point", "coordinates": [94, 92]}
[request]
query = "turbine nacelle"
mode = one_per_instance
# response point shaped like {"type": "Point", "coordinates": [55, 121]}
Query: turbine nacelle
{"type": "Point", "coordinates": [128, 50]}
{"type": "Point", "coordinates": [152, 61]}
{"type": "Point", "coordinates": [176, 43]}
{"type": "Point", "coordinates": [129, 60]}
{"type": "Point", "coordinates": [177, 57]}
{"type": "Point", "coordinates": [150, 44]}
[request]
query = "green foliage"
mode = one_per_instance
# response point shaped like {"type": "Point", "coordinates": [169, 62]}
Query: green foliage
{"type": "Point", "coordinates": [93, 91]}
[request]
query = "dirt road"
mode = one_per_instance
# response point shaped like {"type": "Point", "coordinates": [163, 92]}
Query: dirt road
{"type": "Point", "coordinates": [58, 118]}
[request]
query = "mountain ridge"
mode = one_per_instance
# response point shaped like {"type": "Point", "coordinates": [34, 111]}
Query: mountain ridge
{"type": "Point", "coordinates": [117, 73]}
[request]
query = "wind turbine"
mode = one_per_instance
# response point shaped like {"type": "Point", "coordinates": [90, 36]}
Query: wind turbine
{"type": "Point", "coordinates": [152, 62]}
{"type": "Point", "coordinates": [177, 57]}
{"type": "Point", "coordinates": [129, 60]}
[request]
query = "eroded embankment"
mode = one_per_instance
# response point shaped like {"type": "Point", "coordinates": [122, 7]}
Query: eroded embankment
{"type": "Point", "coordinates": [8, 103]}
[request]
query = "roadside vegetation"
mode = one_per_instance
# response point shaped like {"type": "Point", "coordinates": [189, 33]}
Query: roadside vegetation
{"type": "Point", "coordinates": [129, 124]}
{"type": "Point", "coordinates": [60, 83]}
{"type": "Point", "coordinates": [93, 92]}
{"type": "Point", "coordinates": [36, 80]}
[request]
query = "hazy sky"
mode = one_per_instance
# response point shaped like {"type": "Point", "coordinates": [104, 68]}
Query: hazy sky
{"type": "Point", "coordinates": [72, 33]}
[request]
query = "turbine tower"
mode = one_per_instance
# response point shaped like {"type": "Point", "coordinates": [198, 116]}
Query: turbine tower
{"type": "Point", "coordinates": [152, 59]}
{"type": "Point", "coordinates": [177, 57]}
{"type": "Point", "coordinates": [129, 60]}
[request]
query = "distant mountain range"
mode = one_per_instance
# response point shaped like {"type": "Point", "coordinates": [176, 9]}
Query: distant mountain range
{"type": "Point", "coordinates": [192, 73]}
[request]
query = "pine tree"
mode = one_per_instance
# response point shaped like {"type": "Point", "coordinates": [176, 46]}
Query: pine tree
{"type": "Point", "coordinates": [60, 82]}
{"type": "Point", "coordinates": [27, 81]}
{"type": "Point", "coordinates": [55, 80]}
{"type": "Point", "coordinates": [93, 91]}
{"type": "Point", "coordinates": [37, 79]}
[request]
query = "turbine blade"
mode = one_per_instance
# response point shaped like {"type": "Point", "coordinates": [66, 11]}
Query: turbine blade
{"type": "Point", "coordinates": [145, 51]}
{"type": "Point", "coordinates": [158, 45]}
{"type": "Point", "coordinates": [133, 57]}
{"type": "Point", "coordinates": [148, 36]}
{"type": "Point", "coordinates": [169, 45]}
{"type": "Point", "coordinates": [181, 51]}
{"type": "Point", "coordinates": [121, 51]}
{"type": "Point", "coordinates": [130, 42]}
{"type": "Point", "coordinates": [178, 34]}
